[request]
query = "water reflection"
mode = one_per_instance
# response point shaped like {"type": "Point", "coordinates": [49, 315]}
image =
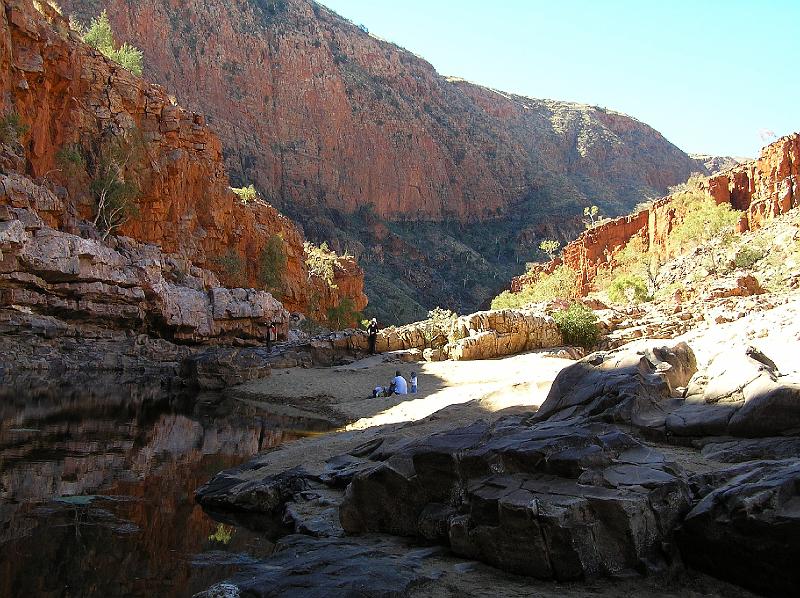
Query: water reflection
{"type": "Point", "coordinates": [97, 483]}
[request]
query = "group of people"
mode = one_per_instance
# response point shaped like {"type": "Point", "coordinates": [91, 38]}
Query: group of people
{"type": "Point", "coordinates": [398, 386]}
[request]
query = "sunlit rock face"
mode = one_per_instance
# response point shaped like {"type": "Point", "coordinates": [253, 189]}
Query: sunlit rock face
{"type": "Point", "coordinates": [316, 111]}
{"type": "Point", "coordinates": [763, 189]}
{"type": "Point", "coordinates": [71, 96]}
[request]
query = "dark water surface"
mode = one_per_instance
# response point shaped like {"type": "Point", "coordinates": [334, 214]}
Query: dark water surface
{"type": "Point", "coordinates": [97, 481]}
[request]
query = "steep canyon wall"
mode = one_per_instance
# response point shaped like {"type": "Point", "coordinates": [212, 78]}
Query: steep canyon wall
{"type": "Point", "coordinates": [71, 96]}
{"type": "Point", "coordinates": [320, 114]}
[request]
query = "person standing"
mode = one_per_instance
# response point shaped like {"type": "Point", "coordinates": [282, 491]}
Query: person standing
{"type": "Point", "coordinates": [372, 331]}
{"type": "Point", "coordinates": [413, 381]}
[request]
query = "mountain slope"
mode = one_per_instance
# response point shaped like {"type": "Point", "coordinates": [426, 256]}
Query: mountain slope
{"type": "Point", "coordinates": [329, 121]}
{"type": "Point", "coordinates": [313, 109]}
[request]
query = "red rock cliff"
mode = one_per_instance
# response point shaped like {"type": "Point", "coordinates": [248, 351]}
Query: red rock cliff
{"type": "Point", "coordinates": [317, 112]}
{"type": "Point", "coordinates": [69, 94]}
{"type": "Point", "coordinates": [762, 189]}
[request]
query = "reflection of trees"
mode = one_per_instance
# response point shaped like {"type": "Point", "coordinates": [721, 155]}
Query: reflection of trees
{"type": "Point", "coordinates": [152, 448]}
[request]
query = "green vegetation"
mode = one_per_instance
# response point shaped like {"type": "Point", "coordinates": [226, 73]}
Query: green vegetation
{"type": "Point", "coordinates": [223, 534]}
{"type": "Point", "coordinates": [12, 128]}
{"type": "Point", "coordinates": [344, 314]}
{"type": "Point", "coordinates": [232, 267]}
{"type": "Point", "coordinates": [747, 256]}
{"type": "Point", "coordinates": [591, 212]}
{"type": "Point", "coordinates": [71, 161]}
{"type": "Point", "coordinates": [704, 220]}
{"type": "Point", "coordinates": [246, 194]}
{"type": "Point", "coordinates": [114, 191]}
{"type": "Point", "coordinates": [561, 284]}
{"type": "Point", "coordinates": [628, 288]}
{"type": "Point", "coordinates": [101, 37]}
{"type": "Point", "coordinates": [321, 262]}
{"type": "Point", "coordinates": [578, 325]}
{"type": "Point", "coordinates": [272, 265]}
{"type": "Point", "coordinates": [550, 246]}
{"type": "Point", "coordinates": [437, 327]}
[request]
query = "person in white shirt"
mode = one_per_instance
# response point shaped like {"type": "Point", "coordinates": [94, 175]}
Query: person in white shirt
{"type": "Point", "coordinates": [399, 385]}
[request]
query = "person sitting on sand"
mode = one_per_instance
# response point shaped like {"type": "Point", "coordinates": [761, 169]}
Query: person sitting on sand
{"type": "Point", "coordinates": [399, 385]}
{"type": "Point", "coordinates": [378, 391]}
{"type": "Point", "coordinates": [413, 381]}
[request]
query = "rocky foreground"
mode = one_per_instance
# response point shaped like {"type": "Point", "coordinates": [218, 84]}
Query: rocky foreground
{"type": "Point", "coordinates": [643, 464]}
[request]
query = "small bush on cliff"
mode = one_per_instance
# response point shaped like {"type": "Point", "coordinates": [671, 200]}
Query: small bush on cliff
{"type": "Point", "coordinates": [101, 37]}
{"type": "Point", "coordinates": [578, 325]}
{"type": "Point", "coordinates": [320, 262]}
{"type": "Point", "coordinates": [246, 194]}
{"type": "Point", "coordinates": [550, 246]}
{"type": "Point", "coordinates": [561, 284]}
{"type": "Point", "coordinates": [747, 256]}
{"type": "Point", "coordinates": [12, 128]}
{"type": "Point", "coordinates": [272, 265]}
{"type": "Point", "coordinates": [628, 288]}
{"type": "Point", "coordinates": [344, 314]}
{"type": "Point", "coordinates": [231, 267]}
{"type": "Point", "coordinates": [115, 192]}
{"type": "Point", "coordinates": [71, 161]}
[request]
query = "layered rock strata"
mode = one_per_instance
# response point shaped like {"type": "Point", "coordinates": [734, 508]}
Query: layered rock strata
{"type": "Point", "coordinates": [70, 96]}
{"type": "Point", "coordinates": [482, 335]}
{"type": "Point", "coordinates": [130, 286]}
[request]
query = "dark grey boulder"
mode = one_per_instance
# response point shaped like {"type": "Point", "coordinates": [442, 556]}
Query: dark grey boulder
{"type": "Point", "coordinates": [562, 500]}
{"type": "Point", "coordinates": [746, 526]}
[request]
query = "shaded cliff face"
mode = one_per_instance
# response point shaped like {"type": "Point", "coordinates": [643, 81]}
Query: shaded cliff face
{"type": "Point", "coordinates": [69, 94]}
{"type": "Point", "coordinates": [762, 189]}
{"type": "Point", "coordinates": [316, 111]}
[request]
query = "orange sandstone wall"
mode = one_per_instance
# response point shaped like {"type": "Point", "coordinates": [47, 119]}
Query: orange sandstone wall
{"type": "Point", "coordinates": [762, 189]}
{"type": "Point", "coordinates": [69, 93]}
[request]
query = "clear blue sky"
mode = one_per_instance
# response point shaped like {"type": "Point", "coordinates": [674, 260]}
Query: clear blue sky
{"type": "Point", "coordinates": [713, 76]}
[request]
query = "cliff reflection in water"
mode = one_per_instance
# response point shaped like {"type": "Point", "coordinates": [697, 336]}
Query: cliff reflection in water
{"type": "Point", "coordinates": [97, 484]}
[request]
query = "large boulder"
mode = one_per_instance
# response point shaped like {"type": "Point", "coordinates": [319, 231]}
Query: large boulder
{"type": "Point", "coordinates": [562, 500]}
{"type": "Point", "coordinates": [746, 526]}
{"type": "Point", "coordinates": [637, 388]}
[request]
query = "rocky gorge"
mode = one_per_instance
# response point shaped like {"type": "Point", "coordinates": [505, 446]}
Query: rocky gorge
{"type": "Point", "coordinates": [429, 181]}
{"type": "Point", "coordinates": [153, 442]}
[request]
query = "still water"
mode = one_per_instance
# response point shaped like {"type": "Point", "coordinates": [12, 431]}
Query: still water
{"type": "Point", "coordinates": [97, 482]}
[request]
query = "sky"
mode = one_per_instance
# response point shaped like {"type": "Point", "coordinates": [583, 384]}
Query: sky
{"type": "Point", "coordinates": [717, 77]}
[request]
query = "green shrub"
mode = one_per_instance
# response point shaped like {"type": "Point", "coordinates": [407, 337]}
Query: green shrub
{"type": "Point", "coordinates": [561, 284]}
{"type": "Point", "coordinates": [320, 262]}
{"type": "Point", "coordinates": [272, 265]}
{"type": "Point", "coordinates": [115, 193]}
{"type": "Point", "coordinates": [628, 288]}
{"type": "Point", "coordinates": [12, 128]}
{"type": "Point", "coordinates": [101, 37]}
{"type": "Point", "coordinates": [71, 161]}
{"type": "Point", "coordinates": [747, 256]}
{"type": "Point", "coordinates": [578, 325]}
{"type": "Point", "coordinates": [232, 267]}
{"type": "Point", "coordinates": [246, 194]}
{"type": "Point", "coordinates": [550, 246]}
{"type": "Point", "coordinates": [343, 314]}
{"type": "Point", "coordinates": [704, 220]}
